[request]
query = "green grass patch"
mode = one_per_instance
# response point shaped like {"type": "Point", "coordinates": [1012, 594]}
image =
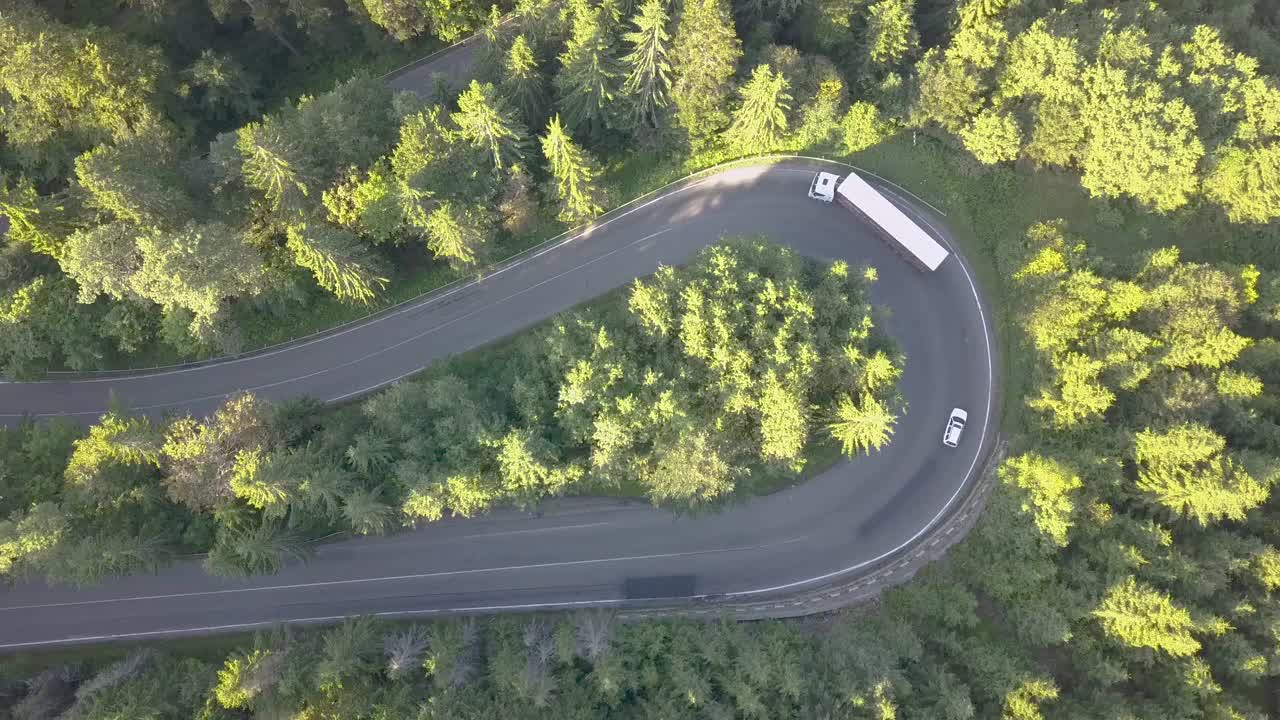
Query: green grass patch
{"type": "Point", "coordinates": [211, 648]}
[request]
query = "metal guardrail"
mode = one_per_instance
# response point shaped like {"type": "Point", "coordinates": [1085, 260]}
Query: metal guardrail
{"type": "Point", "coordinates": [843, 592]}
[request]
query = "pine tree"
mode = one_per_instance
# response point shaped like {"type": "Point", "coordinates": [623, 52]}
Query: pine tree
{"type": "Point", "coordinates": [992, 137]}
{"type": "Point", "coordinates": [370, 453]}
{"type": "Point", "coordinates": [589, 73]}
{"type": "Point", "coordinates": [574, 172]}
{"type": "Point", "coordinates": [41, 222]}
{"type": "Point", "coordinates": [484, 119]}
{"type": "Point", "coordinates": [403, 19]}
{"type": "Point", "coordinates": [246, 675]}
{"type": "Point", "coordinates": [367, 513]}
{"type": "Point", "coordinates": [891, 32]}
{"type": "Point", "coordinates": [258, 549]}
{"type": "Point", "coordinates": [972, 12]}
{"type": "Point", "coordinates": [649, 71]}
{"type": "Point", "coordinates": [761, 119]}
{"type": "Point", "coordinates": [1187, 471]}
{"type": "Point", "coordinates": [28, 538]}
{"type": "Point", "coordinates": [340, 263]}
{"type": "Point", "coordinates": [274, 164]}
{"type": "Point", "coordinates": [1244, 183]}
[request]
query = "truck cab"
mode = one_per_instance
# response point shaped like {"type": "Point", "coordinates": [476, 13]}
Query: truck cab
{"type": "Point", "coordinates": [824, 186]}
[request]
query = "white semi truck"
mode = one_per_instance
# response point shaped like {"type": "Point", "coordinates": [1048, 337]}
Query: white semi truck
{"type": "Point", "coordinates": [901, 233]}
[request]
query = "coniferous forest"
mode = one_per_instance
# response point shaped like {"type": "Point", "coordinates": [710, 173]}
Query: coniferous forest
{"type": "Point", "coordinates": [184, 179]}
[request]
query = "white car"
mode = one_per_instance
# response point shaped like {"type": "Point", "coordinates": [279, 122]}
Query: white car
{"type": "Point", "coordinates": [955, 426]}
{"type": "Point", "coordinates": [824, 186]}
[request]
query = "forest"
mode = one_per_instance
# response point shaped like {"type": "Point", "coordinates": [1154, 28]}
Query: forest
{"type": "Point", "coordinates": [685, 389]}
{"type": "Point", "coordinates": [158, 214]}
{"type": "Point", "coordinates": [1126, 567]}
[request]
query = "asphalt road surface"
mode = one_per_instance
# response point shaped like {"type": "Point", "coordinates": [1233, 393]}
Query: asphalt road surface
{"type": "Point", "coordinates": [577, 552]}
{"type": "Point", "coordinates": [451, 65]}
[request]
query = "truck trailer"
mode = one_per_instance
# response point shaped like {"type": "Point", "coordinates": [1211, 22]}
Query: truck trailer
{"type": "Point", "coordinates": [900, 232]}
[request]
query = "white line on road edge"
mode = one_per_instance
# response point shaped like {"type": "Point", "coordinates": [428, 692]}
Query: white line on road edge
{"type": "Point", "coordinates": [986, 423]}
{"type": "Point", "coordinates": [603, 602]}
{"type": "Point", "coordinates": [362, 358]}
{"type": "Point", "coordinates": [473, 313]}
{"type": "Point", "coordinates": [530, 531]}
{"type": "Point", "coordinates": [397, 578]}
{"type": "Point", "coordinates": [309, 620]}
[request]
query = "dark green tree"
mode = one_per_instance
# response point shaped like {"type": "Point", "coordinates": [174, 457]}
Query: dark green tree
{"type": "Point", "coordinates": [648, 82]}
{"type": "Point", "coordinates": [589, 73]}
{"type": "Point", "coordinates": [523, 84]}
{"type": "Point", "coordinates": [704, 56]}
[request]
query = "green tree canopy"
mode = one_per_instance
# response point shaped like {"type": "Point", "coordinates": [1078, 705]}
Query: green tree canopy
{"type": "Point", "coordinates": [761, 120]}
{"type": "Point", "coordinates": [523, 84]}
{"type": "Point", "coordinates": [484, 119]}
{"type": "Point", "coordinates": [589, 73]}
{"type": "Point", "coordinates": [1139, 616]}
{"type": "Point", "coordinates": [648, 82]}
{"type": "Point", "coordinates": [574, 173]}
{"type": "Point", "coordinates": [704, 57]}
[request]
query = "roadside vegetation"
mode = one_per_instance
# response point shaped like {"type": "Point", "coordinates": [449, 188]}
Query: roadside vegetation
{"type": "Point", "coordinates": [684, 388]}
{"type": "Point", "coordinates": [1112, 169]}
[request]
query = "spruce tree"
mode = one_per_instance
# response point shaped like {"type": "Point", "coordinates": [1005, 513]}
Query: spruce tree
{"type": "Point", "coordinates": [574, 172]}
{"type": "Point", "coordinates": [891, 32]}
{"type": "Point", "coordinates": [704, 57]}
{"type": "Point", "coordinates": [458, 234]}
{"type": "Point", "coordinates": [1140, 616]}
{"type": "Point", "coordinates": [485, 120]}
{"type": "Point", "coordinates": [649, 72]}
{"type": "Point", "coordinates": [340, 263]}
{"type": "Point", "coordinates": [761, 119]}
{"type": "Point", "coordinates": [589, 73]}
{"type": "Point", "coordinates": [522, 84]}
{"type": "Point", "coordinates": [861, 427]}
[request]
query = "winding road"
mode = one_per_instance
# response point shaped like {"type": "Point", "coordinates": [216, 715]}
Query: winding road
{"type": "Point", "coordinates": [577, 552]}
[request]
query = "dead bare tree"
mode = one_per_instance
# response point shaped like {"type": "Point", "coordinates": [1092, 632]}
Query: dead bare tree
{"type": "Point", "coordinates": [404, 651]}
{"type": "Point", "coordinates": [594, 631]}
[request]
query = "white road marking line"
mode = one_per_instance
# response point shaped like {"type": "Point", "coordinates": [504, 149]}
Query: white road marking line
{"type": "Point", "coordinates": [986, 423]}
{"type": "Point", "coordinates": [397, 578]}
{"type": "Point", "coordinates": [413, 338]}
{"type": "Point", "coordinates": [316, 619]}
{"type": "Point", "coordinates": [530, 531]}
{"type": "Point", "coordinates": [469, 315]}
{"type": "Point", "coordinates": [531, 606]}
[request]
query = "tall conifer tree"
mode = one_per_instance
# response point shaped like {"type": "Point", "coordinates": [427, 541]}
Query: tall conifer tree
{"type": "Point", "coordinates": [589, 73]}
{"type": "Point", "coordinates": [761, 119]}
{"type": "Point", "coordinates": [649, 71]}
{"type": "Point", "coordinates": [575, 174]}
{"type": "Point", "coordinates": [704, 57]}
